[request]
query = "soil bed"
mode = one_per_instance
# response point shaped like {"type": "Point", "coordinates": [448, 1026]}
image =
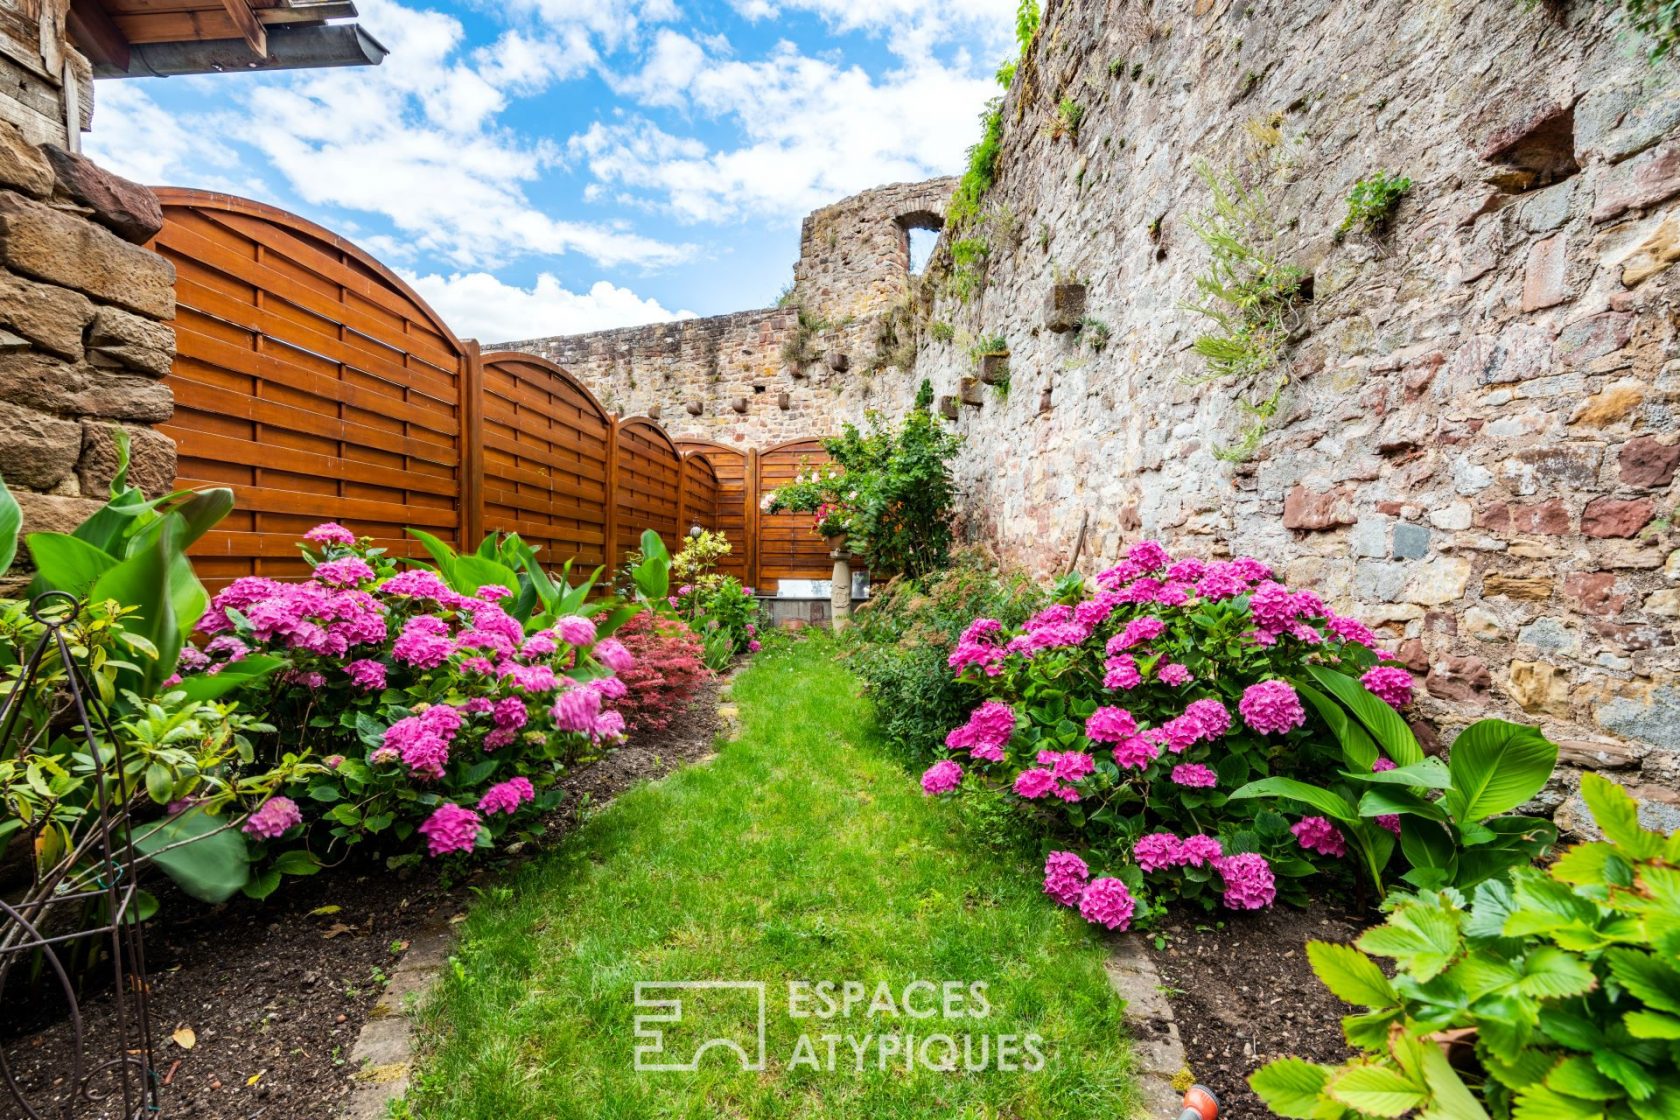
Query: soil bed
{"type": "Point", "coordinates": [1243, 993]}
{"type": "Point", "coordinates": [275, 994]}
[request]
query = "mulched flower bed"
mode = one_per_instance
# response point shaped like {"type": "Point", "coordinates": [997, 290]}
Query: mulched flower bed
{"type": "Point", "coordinates": [1243, 993]}
{"type": "Point", "coordinates": [275, 994]}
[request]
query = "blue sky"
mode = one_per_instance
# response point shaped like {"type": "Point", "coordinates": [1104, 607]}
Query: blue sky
{"type": "Point", "coordinates": [551, 166]}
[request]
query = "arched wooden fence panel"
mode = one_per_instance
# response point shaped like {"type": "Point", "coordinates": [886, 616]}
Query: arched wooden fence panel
{"type": "Point", "coordinates": [320, 387]}
{"type": "Point", "coordinates": [546, 453]}
{"type": "Point", "coordinates": [733, 509]}
{"type": "Point", "coordinates": [647, 472]}
{"type": "Point", "coordinates": [313, 381]}
{"type": "Point", "coordinates": [787, 548]}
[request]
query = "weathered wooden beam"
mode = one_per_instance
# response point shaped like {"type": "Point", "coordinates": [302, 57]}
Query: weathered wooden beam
{"type": "Point", "coordinates": [96, 35]}
{"type": "Point", "coordinates": [250, 28]}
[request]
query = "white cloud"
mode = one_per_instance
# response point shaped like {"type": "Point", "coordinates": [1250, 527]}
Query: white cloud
{"type": "Point", "coordinates": [139, 139]}
{"type": "Point", "coordinates": [910, 28]}
{"type": "Point", "coordinates": [812, 131]}
{"type": "Point", "coordinates": [477, 305]}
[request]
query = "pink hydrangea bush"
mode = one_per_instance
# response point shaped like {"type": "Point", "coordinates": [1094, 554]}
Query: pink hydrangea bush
{"type": "Point", "coordinates": [1124, 715]}
{"type": "Point", "coordinates": [449, 719]}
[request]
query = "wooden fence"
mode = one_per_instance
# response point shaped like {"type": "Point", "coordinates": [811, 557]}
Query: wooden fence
{"type": "Point", "coordinates": [320, 387]}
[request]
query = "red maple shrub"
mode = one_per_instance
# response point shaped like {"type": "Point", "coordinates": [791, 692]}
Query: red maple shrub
{"type": "Point", "coordinates": [669, 670]}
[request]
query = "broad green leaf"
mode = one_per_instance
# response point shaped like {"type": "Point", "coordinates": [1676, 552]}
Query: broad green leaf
{"type": "Point", "coordinates": [1617, 815]}
{"type": "Point", "coordinates": [1326, 802]}
{"type": "Point", "coordinates": [233, 675]}
{"type": "Point", "coordinates": [1431, 773]}
{"type": "Point", "coordinates": [1358, 750]}
{"type": "Point", "coordinates": [1376, 1090]}
{"type": "Point", "coordinates": [201, 512]}
{"type": "Point", "coordinates": [1583, 864]}
{"type": "Point", "coordinates": [211, 864]}
{"type": "Point", "coordinates": [1422, 937]}
{"type": "Point", "coordinates": [1382, 721]}
{"type": "Point", "coordinates": [1291, 1087]}
{"type": "Point", "coordinates": [1652, 1024]}
{"type": "Point", "coordinates": [1350, 975]}
{"type": "Point", "coordinates": [160, 783]}
{"type": "Point", "coordinates": [1540, 1103]}
{"type": "Point", "coordinates": [1632, 1076]}
{"type": "Point", "coordinates": [262, 884]}
{"type": "Point", "coordinates": [1449, 1099]}
{"type": "Point", "coordinates": [1576, 1077]}
{"type": "Point", "coordinates": [1480, 974]}
{"type": "Point", "coordinates": [1551, 973]}
{"type": "Point", "coordinates": [1495, 767]}
{"type": "Point", "coordinates": [144, 581]}
{"type": "Point", "coordinates": [66, 563]}
{"type": "Point", "coordinates": [1378, 801]}
{"type": "Point", "coordinates": [1655, 982]}
{"type": "Point", "coordinates": [11, 521]}
{"type": "Point", "coordinates": [296, 862]}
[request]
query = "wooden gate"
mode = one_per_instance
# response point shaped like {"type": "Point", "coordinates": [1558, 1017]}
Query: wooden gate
{"type": "Point", "coordinates": [786, 546]}
{"type": "Point", "coordinates": [733, 512]}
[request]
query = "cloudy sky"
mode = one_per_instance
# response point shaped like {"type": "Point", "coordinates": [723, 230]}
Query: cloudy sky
{"type": "Point", "coordinates": [545, 167]}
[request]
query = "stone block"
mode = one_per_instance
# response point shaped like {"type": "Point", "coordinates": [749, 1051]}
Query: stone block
{"type": "Point", "coordinates": [1665, 603]}
{"type": "Point", "coordinates": [739, 405]}
{"type": "Point", "coordinates": [1441, 580]}
{"type": "Point", "coordinates": [1595, 592]}
{"type": "Point", "coordinates": [972, 394]}
{"type": "Point", "coordinates": [694, 408]}
{"type": "Point", "coordinates": [1546, 276]}
{"type": "Point", "coordinates": [23, 166]}
{"type": "Point", "coordinates": [1657, 810]}
{"type": "Point", "coordinates": [1612, 405]}
{"type": "Point", "coordinates": [1459, 679]}
{"type": "Point", "coordinates": [51, 317]}
{"type": "Point", "coordinates": [113, 396]}
{"type": "Point", "coordinates": [1064, 306]}
{"type": "Point", "coordinates": [70, 251]}
{"type": "Point", "coordinates": [1517, 587]}
{"type": "Point", "coordinates": [1600, 754]}
{"type": "Point", "coordinates": [120, 205]}
{"type": "Point", "coordinates": [1312, 511]}
{"type": "Point", "coordinates": [839, 362]}
{"type": "Point", "coordinates": [134, 342]}
{"type": "Point", "coordinates": [1651, 714]}
{"type": "Point", "coordinates": [1654, 255]}
{"type": "Point", "coordinates": [784, 401]}
{"type": "Point", "coordinates": [151, 463]}
{"type": "Point", "coordinates": [37, 450]}
{"type": "Point", "coordinates": [1482, 624]}
{"type": "Point", "coordinates": [1411, 542]}
{"type": "Point", "coordinates": [1550, 635]}
{"type": "Point", "coordinates": [994, 368]}
{"type": "Point", "coordinates": [1593, 337]}
{"type": "Point", "coordinates": [1642, 181]}
{"type": "Point", "coordinates": [1536, 686]}
{"type": "Point", "coordinates": [54, 513]}
{"type": "Point", "coordinates": [1614, 517]}
{"type": "Point", "coordinates": [1548, 518]}
{"type": "Point", "coordinates": [1647, 462]}
{"type": "Point", "coordinates": [1533, 469]}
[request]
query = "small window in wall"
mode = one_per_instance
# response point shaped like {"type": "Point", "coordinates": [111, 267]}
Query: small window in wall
{"type": "Point", "coordinates": [922, 242]}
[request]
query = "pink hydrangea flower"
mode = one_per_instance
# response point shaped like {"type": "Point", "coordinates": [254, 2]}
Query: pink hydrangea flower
{"type": "Point", "coordinates": [1272, 707]}
{"type": "Point", "coordinates": [1199, 850]}
{"type": "Point", "coordinates": [346, 572]}
{"type": "Point", "coordinates": [608, 726]}
{"type": "Point", "coordinates": [1172, 673]}
{"type": "Point", "coordinates": [1249, 884]}
{"type": "Point", "coordinates": [1137, 631]}
{"type": "Point", "coordinates": [576, 709]}
{"type": "Point", "coordinates": [1149, 556]}
{"type": "Point", "coordinates": [1194, 775]}
{"type": "Point", "coordinates": [1136, 753]}
{"type": "Point", "coordinates": [1156, 851]}
{"type": "Point", "coordinates": [1121, 672]}
{"type": "Point", "coordinates": [1390, 685]}
{"type": "Point", "coordinates": [612, 653]}
{"type": "Point", "coordinates": [1212, 717]}
{"type": "Point", "coordinates": [754, 645]}
{"type": "Point", "coordinates": [276, 817]}
{"type": "Point", "coordinates": [506, 797]}
{"type": "Point", "coordinates": [1065, 876]}
{"type": "Point", "coordinates": [1390, 821]}
{"type": "Point", "coordinates": [366, 675]}
{"type": "Point", "coordinates": [575, 630]}
{"type": "Point", "coordinates": [1272, 607]}
{"type": "Point", "coordinates": [1350, 630]}
{"type": "Point", "coordinates": [492, 592]}
{"type": "Point", "coordinates": [538, 645]}
{"type": "Point", "coordinates": [422, 749]}
{"type": "Point", "coordinates": [1179, 734]}
{"type": "Point", "coordinates": [1107, 902]}
{"type": "Point", "coordinates": [1068, 766]}
{"type": "Point", "coordinates": [450, 828]}
{"type": "Point", "coordinates": [416, 583]}
{"type": "Point", "coordinates": [330, 532]}
{"type": "Point", "coordinates": [1110, 725]}
{"type": "Point", "coordinates": [1221, 581]}
{"type": "Point", "coordinates": [1317, 834]}
{"type": "Point", "coordinates": [942, 777]}
{"type": "Point", "coordinates": [1035, 783]}
{"type": "Point", "coordinates": [986, 733]}
{"type": "Point", "coordinates": [423, 643]}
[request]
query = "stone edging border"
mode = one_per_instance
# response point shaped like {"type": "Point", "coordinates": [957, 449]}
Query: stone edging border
{"type": "Point", "coordinates": [1162, 1071]}
{"type": "Point", "coordinates": [383, 1056]}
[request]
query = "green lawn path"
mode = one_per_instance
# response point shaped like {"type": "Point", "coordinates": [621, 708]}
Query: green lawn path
{"type": "Point", "coordinates": [801, 853]}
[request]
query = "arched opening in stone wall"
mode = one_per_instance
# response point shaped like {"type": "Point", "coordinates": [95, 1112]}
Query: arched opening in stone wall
{"type": "Point", "coordinates": [918, 234]}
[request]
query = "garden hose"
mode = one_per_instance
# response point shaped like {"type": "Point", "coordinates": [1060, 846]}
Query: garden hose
{"type": "Point", "coordinates": [1200, 1104]}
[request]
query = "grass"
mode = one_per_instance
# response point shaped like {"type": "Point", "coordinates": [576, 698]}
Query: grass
{"type": "Point", "coordinates": [802, 853]}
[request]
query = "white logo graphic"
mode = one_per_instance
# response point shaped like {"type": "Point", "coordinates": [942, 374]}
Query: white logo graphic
{"type": "Point", "coordinates": [651, 1054]}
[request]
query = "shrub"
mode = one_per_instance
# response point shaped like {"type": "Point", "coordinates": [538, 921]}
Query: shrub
{"type": "Point", "coordinates": [443, 721]}
{"type": "Point", "coordinates": [724, 614]}
{"type": "Point", "coordinates": [1553, 995]}
{"type": "Point", "coordinates": [1372, 203]}
{"type": "Point", "coordinates": [899, 641]}
{"type": "Point", "coordinates": [699, 555]}
{"type": "Point", "coordinates": [667, 672]}
{"type": "Point", "coordinates": [1125, 720]}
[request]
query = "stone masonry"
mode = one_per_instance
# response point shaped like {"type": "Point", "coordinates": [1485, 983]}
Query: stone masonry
{"type": "Point", "coordinates": [1476, 446]}
{"type": "Point", "coordinates": [729, 377]}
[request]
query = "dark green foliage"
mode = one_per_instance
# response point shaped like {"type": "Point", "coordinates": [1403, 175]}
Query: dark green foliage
{"type": "Point", "coordinates": [982, 167]}
{"type": "Point", "coordinates": [1658, 20]}
{"type": "Point", "coordinates": [901, 638]}
{"type": "Point", "coordinates": [1372, 202]}
{"type": "Point", "coordinates": [900, 488]}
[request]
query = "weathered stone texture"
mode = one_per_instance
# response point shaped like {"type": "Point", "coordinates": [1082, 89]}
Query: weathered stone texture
{"type": "Point", "coordinates": [123, 206]}
{"type": "Point", "coordinates": [68, 250]}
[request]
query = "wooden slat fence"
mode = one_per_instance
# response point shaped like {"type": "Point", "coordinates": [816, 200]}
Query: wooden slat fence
{"type": "Point", "coordinates": [319, 386]}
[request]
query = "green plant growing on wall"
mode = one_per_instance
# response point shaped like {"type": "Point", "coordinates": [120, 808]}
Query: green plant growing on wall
{"type": "Point", "coordinates": [895, 339]}
{"type": "Point", "coordinates": [1250, 297]}
{"type": "Point", "coordinates": [969, 256]}
{"type": "Point", "coordinates": [1659, 21]}
{"type": "Point", "coordinates": [784, 298]}
{"type": "Point", "coordinates": [1069, 114]}
{"type": "Point", "coordinates": [1372, 203]}
{"type": "Point", "coordinates": [797, 350]}
{"type": "Point", "coordinates": [1093, 332]}
{"type": "Point", "coordinates": [988, 345]}
{"type": "Point", "coordinates": [941, 331]}
{"type": "Point", "coordinates": [981, 171]}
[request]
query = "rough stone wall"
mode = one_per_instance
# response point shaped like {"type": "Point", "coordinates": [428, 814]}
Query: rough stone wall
{"type": "Point", "coordinates": [84, 340]}
{"type": "Point", "coordinates": [729, 378]}
{"type": "Point", "coordinates": [1477, 446]}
